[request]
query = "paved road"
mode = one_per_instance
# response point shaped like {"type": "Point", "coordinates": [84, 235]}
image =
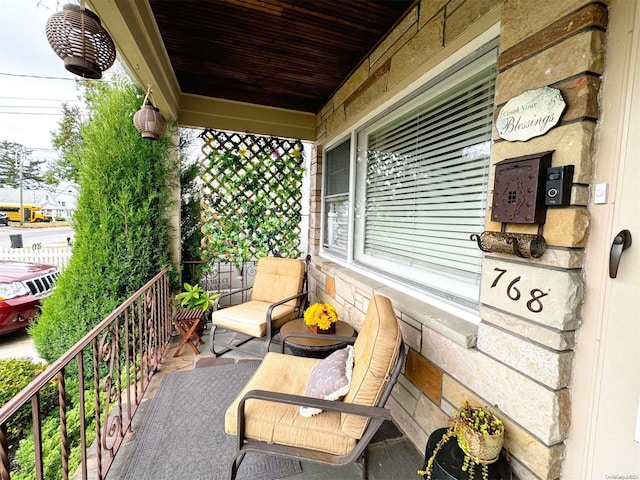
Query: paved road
{"type": "Point", "coordinates": [17, 345]}
{"type": "Point", "coordinates": [46, 236]}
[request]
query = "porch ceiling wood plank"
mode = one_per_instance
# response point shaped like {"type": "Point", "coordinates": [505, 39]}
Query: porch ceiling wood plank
{"type": "Point", "coordinates": [270, 60]}
{"type": "Point", "coordinates": [279, 53]}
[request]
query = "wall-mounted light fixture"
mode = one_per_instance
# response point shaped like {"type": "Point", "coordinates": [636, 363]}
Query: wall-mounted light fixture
{"type": "Point", "coordinates": [77, 36]}
{"type": "Point", "coordinates": [148, 120]}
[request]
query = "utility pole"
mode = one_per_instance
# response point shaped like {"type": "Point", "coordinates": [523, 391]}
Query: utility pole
{"type": "Point", "coordinates": [22, 152]}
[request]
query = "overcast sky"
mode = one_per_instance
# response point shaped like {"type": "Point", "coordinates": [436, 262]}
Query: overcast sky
{"type": "Point", "coordinates": [30, 108]}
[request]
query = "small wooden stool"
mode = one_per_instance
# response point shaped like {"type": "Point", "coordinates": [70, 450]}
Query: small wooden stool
{"type": "Point", "coordinates": [187, 321]}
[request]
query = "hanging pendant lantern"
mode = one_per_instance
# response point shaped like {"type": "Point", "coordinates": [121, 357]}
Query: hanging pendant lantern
{"type": "Point", "coordinates": [77, 36]}
{"type": "Point", "coordinates": [148, 120]}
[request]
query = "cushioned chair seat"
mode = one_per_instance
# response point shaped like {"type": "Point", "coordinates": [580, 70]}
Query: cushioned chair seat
{"type": "Point", "coordinates": [280, 423]}
{"type": "Point", "coordinates": [250, 317]}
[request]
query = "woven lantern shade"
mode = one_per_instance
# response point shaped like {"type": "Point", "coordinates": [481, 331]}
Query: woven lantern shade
{"type": "Point", "coordinates": [77, 36]}
{"type": "Point", "coordinates": [149, 122]}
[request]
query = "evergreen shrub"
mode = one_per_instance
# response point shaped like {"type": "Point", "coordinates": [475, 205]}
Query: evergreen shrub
{"type": "Point", "coordinates": [121, 227]}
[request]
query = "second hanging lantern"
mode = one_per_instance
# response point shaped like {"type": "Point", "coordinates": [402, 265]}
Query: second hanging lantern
{"type": "Point", "coordinates": [148, 120]}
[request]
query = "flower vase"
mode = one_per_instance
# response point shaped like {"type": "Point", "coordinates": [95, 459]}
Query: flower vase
{"type": "Point", "coordinates": [480, 447]}
{"type": "Point", "coordinates": [316, 329]}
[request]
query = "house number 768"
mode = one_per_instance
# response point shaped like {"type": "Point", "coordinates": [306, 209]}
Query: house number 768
{"type": "Point", "coordinates": [513, 292]}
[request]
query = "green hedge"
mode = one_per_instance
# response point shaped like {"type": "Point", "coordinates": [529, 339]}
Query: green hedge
{"type": "Point", "coordinates": [15, 374]}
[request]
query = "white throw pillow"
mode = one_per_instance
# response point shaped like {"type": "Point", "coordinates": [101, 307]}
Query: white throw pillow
{"type": "Point", "coordinates": [330, 379]}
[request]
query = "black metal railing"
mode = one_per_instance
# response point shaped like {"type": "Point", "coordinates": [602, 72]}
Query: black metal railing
{"type": "Point", "coordinates": [220, 277]}
{"type": "Point", "coordinates": [114, 364]}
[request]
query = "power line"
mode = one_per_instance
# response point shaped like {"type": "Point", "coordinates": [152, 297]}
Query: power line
{"type": "Point", "coordinates": [30, 106]}
{"type": "Point", "coordinates": [41, 77]}
{"type": "Point", "coordinates": [36, 76]}
{"type": "Point", "coordinates": [30, 113]}
{"type": "Point", "coordinates": [41, 99]}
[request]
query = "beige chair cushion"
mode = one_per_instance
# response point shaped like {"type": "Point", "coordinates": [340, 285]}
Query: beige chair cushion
{"type": "Point", "coordinates": [375, 353]}
{"type": "Point", "coordinates": [283, 424]}
{"type": "Point", "coordinates": [277, 279]}
{"type": "Point", "coordinates": [251, 317]}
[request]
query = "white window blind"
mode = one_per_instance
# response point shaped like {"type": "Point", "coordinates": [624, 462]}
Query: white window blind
{"type": "Point", "coordinates": [422, 180]}
{"type": "Point", "coordinates": [336, 199]}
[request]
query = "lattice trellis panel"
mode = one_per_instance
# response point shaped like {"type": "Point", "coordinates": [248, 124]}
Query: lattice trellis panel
{"type": "Point", "coordinates": [251, 196]}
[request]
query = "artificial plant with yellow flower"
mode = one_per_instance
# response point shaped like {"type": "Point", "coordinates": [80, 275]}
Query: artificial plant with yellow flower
{"type": "Point", "coordinates": [321, 314]}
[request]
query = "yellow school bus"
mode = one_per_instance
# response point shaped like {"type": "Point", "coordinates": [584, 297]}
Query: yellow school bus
{"type": "Point", "coordinates": [32, 213]}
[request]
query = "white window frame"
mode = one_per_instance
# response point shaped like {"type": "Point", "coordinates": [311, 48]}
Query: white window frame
{"type": "Point", "coordinates": [467, 304]}
{"type": "Point", "coordinates": [344, 254]}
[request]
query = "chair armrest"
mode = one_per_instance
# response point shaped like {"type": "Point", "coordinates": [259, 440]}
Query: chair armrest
{"type": "Point", "coordinates": [280, 302]}
{"type": "Point", "coordinates": [283, 343]}
{"type": "Point", "coordinates": [228, 294]}
{"type": "Point", "coordinates": [300, 400]}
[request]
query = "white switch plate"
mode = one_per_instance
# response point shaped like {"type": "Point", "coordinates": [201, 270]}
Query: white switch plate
{"type": "Point", "coordinates": [600, 193]}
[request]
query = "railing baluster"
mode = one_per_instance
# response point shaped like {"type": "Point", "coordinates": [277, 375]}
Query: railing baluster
{"type": "Point", "coordinates": [83, 423]}
{"type": "Point", "coordinates": [37, 434]}
{"type": "Point", "coordinates": [136, 335]}
{"type": "Point", "coordinates": [96, 389]}
{"type": "Point", "coordinates": [64, 440]}
{"type": "Point", "coordinates": [127, 363]}
{"type": "Point", "coordinates": [4, 453]}
{"type": "Point", "coordinates": [117, 377]}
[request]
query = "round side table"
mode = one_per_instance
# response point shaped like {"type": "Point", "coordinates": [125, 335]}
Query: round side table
{"type": "Point", "coordinates": [316, 346]}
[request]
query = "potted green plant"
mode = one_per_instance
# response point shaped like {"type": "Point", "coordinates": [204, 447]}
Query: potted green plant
{"type": "Point", "coordinates": [194, 297]}
{"type": "Point", "coordinates": [480, 435]}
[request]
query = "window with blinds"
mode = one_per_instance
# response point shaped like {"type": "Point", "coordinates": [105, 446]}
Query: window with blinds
{"type": "Point", "coordinates": [336, 199]}
{"type": "Point", "coordinates": [422, 182]}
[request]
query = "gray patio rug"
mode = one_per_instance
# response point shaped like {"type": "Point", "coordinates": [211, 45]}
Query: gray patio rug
{"type": "Point", "coordinates": [183, 436]}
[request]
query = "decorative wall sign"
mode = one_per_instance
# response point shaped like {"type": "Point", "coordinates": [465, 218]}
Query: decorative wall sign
{"type": "Point", "coordinates": [530, 114]}
{"type": "Point", "coordinates": [546, 296]}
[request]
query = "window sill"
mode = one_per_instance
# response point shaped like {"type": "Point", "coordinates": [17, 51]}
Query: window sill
{"type": "Point", "coordinates": [415, 312]}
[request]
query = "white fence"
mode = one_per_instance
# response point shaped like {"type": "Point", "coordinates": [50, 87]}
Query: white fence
{"type": "Point", "coordinates": [58, 256]}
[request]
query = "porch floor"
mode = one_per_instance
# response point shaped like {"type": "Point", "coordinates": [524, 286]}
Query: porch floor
{"type": "Point", "coordinates": [390, 455]}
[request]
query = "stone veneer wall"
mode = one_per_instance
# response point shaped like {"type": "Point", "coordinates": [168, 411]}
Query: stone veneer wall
{"type": "Point", "coordinates": [517, 359]}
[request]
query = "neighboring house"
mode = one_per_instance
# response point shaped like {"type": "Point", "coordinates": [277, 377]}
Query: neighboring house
{"type": "Point", "coordinates": [403, 172]}
{"type": "Point", "coordinates": [58, 202]}
{"type": "Point", "coordinates": [65, 197]}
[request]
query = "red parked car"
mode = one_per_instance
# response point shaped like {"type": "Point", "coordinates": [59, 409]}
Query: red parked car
{"type": "Point", "coordinates": [22, 286]}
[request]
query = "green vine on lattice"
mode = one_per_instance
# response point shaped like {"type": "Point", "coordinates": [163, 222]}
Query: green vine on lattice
{"type": "Point", "coordinates": [251, 200]}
